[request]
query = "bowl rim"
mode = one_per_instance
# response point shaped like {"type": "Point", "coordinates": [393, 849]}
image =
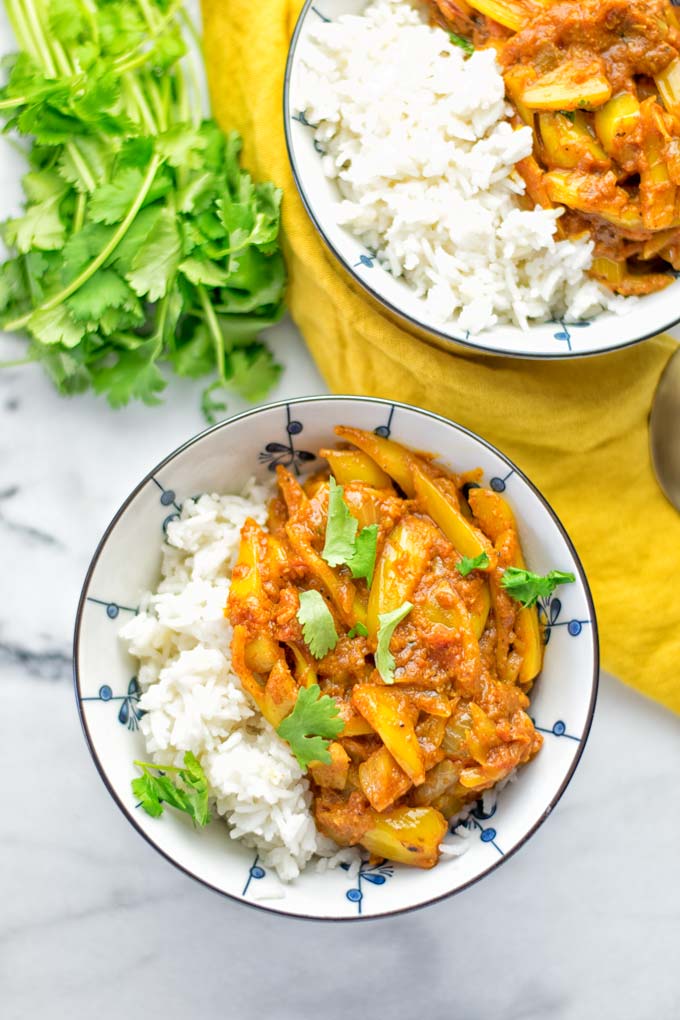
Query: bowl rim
{"type": "Point", "coordinates": [316, 399]}
{"type": "Point", "coordinates": [399, 313]}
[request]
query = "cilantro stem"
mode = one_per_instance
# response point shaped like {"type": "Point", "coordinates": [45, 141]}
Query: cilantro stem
{"type": "Point", "coordinates": [39, 38]}
{"type": "Point", "coordinates": [158, 768]}
{"type": "Point", "coordinates": [81, 166]}
{"type": "Point", "coordinates": [158, 101]}
{"type": "Point", "coordinates": [22, 30]}
{"type": "Point", "coordinates": [214, 330]}
{"type": "Point", "coordinates": [99, 261]}
{"type": "Point", "coordinates": [141, 104]}
{"type": "Point", "coordinates": [7, 104]}
{"type": "Point", "coordinates": [79, 214]}
{"type": "Point", "coordinates": [16, 363]}
{"type": "Point", "coordinates": [128, 61]}
{"type": "Point", "coordinates": [149, 14]}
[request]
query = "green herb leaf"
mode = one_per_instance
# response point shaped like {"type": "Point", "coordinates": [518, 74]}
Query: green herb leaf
{"type": "Point", "coordinates": [466, 564]}
{"type": "Point", "coordinates": [362, 561]}
{"type": "Point", "coordinates": [358, 629]}
{"type": "Point", "coordinates": [185, 789]}
{"type": "Point", "coordinates": [527, 588]}
{"type": "Point", "coordinates": [40, 227]}
{"type": "Point", "coordinates": [312, 724]}
{"type": "Point", "coordinates": [318, 626]}
{"type": "Point", "coordinates": [387, 623]}
{"type": "Point", "coordinates": [253, 372]}
{"type": "Point", "coordinates": [134, 374]}
{"type": "Point", "coordinates": [460, 40]}
{"type": "Point", "coordinates": [156, 262]}
{"type": "Point", "coordinates": [341, 528]}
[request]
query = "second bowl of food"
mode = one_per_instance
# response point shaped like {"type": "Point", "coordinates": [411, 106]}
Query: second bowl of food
{"type": "Point", "coordinates": [499, 174]}
{"type": "Point", "coordinates": [330, 676]}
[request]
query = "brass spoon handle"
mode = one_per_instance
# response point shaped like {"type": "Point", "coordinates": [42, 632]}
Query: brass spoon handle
{"type": "Point", "coordinates": [664, 430]}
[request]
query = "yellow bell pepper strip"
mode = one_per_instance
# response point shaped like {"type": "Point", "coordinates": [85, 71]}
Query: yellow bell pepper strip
{"type": "Point", "coordinates": [409, 835]}
{"type": "Point", "coordinates": [355, 466]}
{"type": "Point", "coordinates": [497, 519]}
{"type": "Point", "coordinates": [393, 459]}
{"type": "Point", "coordinates": [399, 568]}
{"type": "Point", "coordinates": [461, 533]}
{"type": "Point", "coordinates": [571, 86]}
{"type": "Point", "coordinates": [567, 143]}
{"type": "Point", "coordinates": [392, 717]}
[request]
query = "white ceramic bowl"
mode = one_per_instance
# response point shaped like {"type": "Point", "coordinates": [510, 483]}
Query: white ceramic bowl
{"type": "Point", "coordinates": [127, 562]}
{"type": "Point", "coordinates": [647, 316]}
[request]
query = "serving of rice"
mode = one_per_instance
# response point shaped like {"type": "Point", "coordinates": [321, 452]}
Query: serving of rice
{"type": "Point", "coordinates": [417, 138]}
{"type": "Point", "coordinates": [193, 701]}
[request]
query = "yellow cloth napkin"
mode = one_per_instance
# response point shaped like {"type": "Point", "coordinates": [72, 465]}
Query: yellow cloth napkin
{"type": "Point", "coordinates": [577, 428]}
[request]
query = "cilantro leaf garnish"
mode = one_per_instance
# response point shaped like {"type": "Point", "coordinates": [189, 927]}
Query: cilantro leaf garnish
{"type": "Point", "coordinates": [186, 789]}
{"type": "Point", "coordinates": [387, 622]}
{"type": "Point", "coordinates": [318, 626]}
{"type": "Point", "coordinates": [341, 527]}
{"type": "Point", "coordinates": [358, 629]}
{"type": "Point", "coordinates": [362, 561]}
{"type": "Point", "coordinates": [342, 544]}
{"type": "Point", "coordinates": [526, 587]}
{"type": "Point", "coordinates": [460, 40]}
{"type": "Point", "coordinates": [142, 243]}
{"type": "Point", "coordinates": [310, 727]}
{"type": "Point", "coordinates": [466, 564]}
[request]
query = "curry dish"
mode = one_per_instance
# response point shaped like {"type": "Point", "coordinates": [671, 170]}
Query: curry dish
{"type": "Point", "coordinates": [434, 705]}
{"type": "Point", "coordinates": [598, 81]}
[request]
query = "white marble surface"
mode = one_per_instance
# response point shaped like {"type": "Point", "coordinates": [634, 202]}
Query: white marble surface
{"type": "Point", "coordinates": [582, 923]}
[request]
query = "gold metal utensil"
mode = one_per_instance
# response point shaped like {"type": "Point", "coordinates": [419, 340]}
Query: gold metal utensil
{"type": "Point", "coordinates": [664, 430]}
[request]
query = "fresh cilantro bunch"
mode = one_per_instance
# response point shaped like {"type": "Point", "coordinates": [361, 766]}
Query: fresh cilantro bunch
{"type": "Point", "coordinates": [142, 242]}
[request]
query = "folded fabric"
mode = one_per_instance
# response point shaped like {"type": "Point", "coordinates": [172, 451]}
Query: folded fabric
{"type": "Point", "coordinates": [579, 429]}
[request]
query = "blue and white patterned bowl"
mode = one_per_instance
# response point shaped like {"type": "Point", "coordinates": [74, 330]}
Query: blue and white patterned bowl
{"type": "Point", "coordinates": [127, 562]}
{"type": "Point", "coordinates": [647, 316]}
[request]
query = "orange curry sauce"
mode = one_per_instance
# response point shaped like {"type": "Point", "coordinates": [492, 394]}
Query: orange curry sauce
{"type": "Point", "coordinates": [453, 720]}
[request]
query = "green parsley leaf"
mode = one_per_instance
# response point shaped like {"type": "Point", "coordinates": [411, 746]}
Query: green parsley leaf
{"type": "Point", "coordinates": [312, 724]}
{"type": "Point", "coordinates": [466, 564]}
{"type": "Point", "coordinates": [358, 629]}
{"type": "Point", "coordinates": [362, 561]}
{"type": "Point", "coordinates": [527, 588]}
{"type": "Point", "coordinates": [387, 623]}
{"type": "Point", "coordinates": [185, 789]}
{"type": "Point", "coordinates": [465, 44]}
{"type": "Point", "coordinates": [318, 626]}
{"type": "Point", "coordinates": [341, 528]}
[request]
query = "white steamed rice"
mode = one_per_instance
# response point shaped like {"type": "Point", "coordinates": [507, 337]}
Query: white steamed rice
{"type": "Point", "coordinates": [193, 701]}
{"type": "Point", "coordinates": [417, 139]}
